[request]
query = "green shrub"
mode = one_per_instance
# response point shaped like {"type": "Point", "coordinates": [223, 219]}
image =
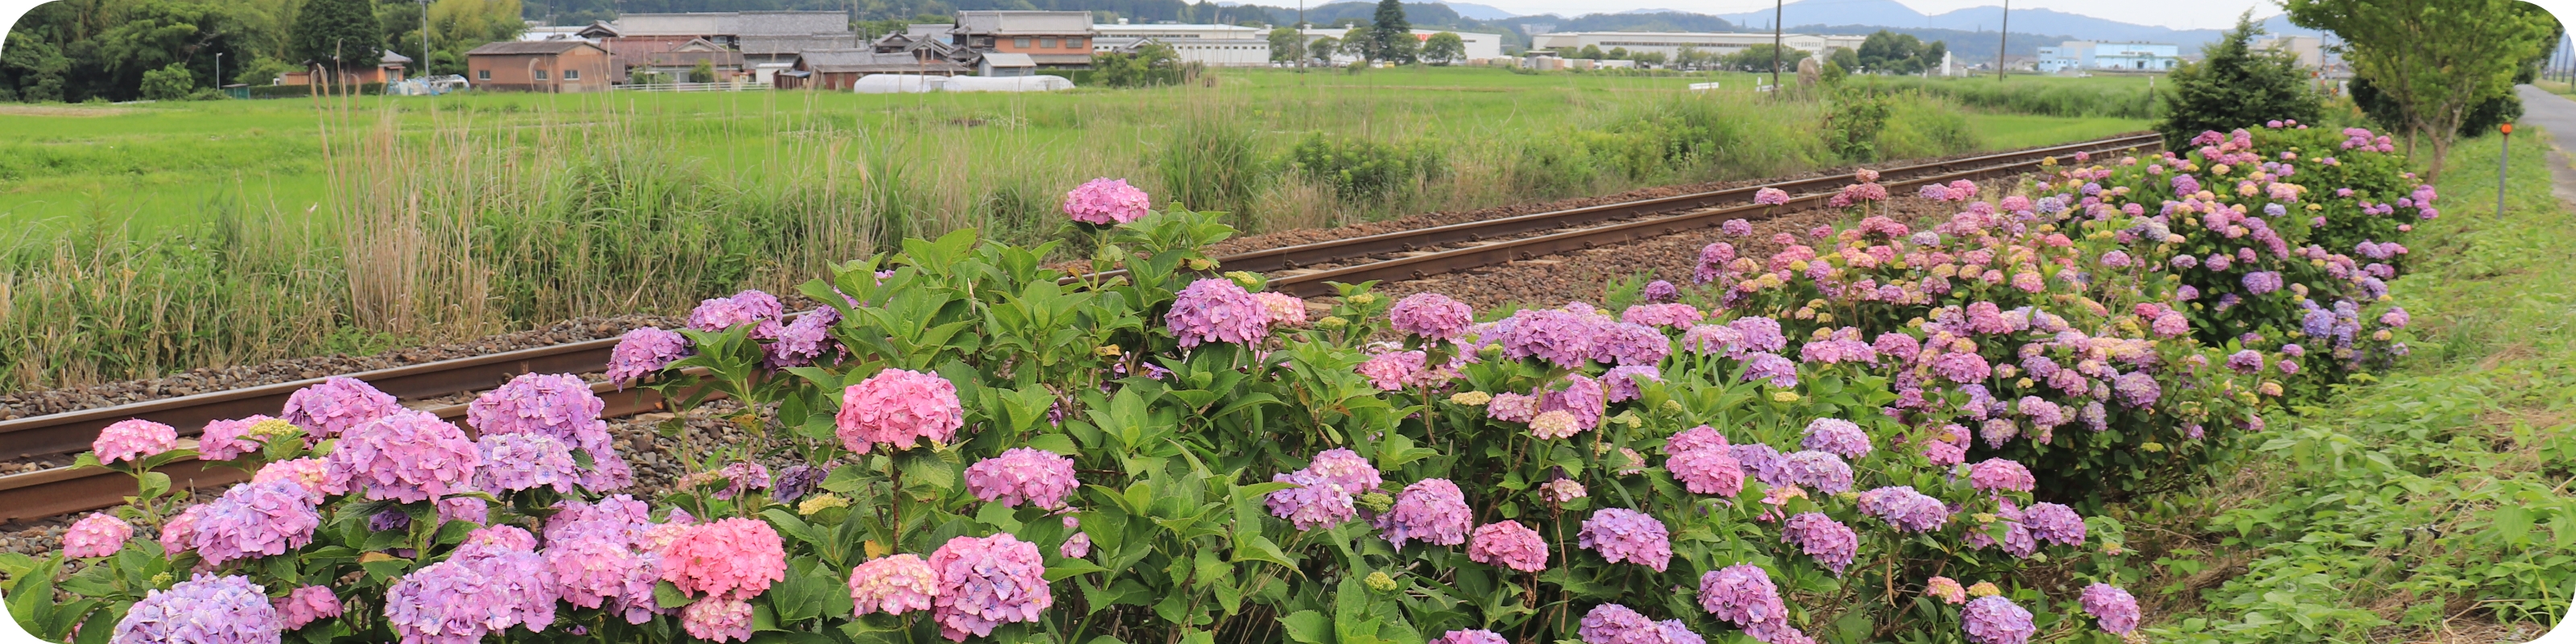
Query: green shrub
{"type": "Point", "coordinates": [2236, 86]}
{"type": "Point", "coordinates": [1363, 170]}
{"type": "Point", "coordinates": [1213, 163]}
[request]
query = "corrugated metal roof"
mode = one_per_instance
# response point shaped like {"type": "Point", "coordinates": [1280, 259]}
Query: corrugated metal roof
{"type": "Point", "coordinates": [1006, 23]}
{"type": "Point", "coordinates": [869, 61]}
{"type": "Point", "coordinates": [1008, 59]}
{"type": "Point", "coordinates": [772, 45]}
{"type": "Point", "coordinates": [734, 23]}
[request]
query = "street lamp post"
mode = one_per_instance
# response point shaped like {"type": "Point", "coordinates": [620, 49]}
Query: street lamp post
{"type": "Point", "coordinates": [219, 72]}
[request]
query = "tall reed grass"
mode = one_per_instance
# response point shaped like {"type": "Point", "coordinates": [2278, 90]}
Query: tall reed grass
{"type": "Point", "coordinates": [446, 223]}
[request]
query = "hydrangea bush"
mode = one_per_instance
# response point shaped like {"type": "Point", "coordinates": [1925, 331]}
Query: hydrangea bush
{"type": "Point", "coordinates": [1869, 431]}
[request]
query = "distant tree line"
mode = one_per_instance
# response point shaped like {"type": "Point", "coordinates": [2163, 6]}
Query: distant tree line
{"type": "Point", "coordinates": [118, 50]}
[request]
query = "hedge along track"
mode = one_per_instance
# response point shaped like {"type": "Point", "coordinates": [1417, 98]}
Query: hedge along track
{"type": "Point", "coordinates": [1301, 270]}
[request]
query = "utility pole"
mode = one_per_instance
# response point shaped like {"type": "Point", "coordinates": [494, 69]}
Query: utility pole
{"type": "Point", "coordinates": [1775, 46]}
{"type": "Point", "coordinates": [2002, 35]}
{"type": "Point", "coordinates": [424, 41]}
{"type": "Point", "coordinates": [219, 72]}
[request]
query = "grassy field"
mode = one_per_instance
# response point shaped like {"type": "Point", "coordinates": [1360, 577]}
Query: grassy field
{"type": "Point", "coordinates": [159, 237]}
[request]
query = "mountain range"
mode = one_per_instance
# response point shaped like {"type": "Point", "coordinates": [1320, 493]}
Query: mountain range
{"type": "Point", "coordinates": [1895, 15]}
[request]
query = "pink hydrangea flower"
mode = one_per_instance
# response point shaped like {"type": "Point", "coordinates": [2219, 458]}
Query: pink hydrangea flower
{"type": "Point", "coordinates": [730, 558]}
{"type": "Point", "coordinates": [1023, 475]}
{"type": "Point", "coordinates": [643, 351]}
{"type": "Point", "coordinates": [1623, 381]}
{"type": "Point", "coordinates": [555, 405]}
{"type": "Point", "coordinates": [718, 620]}
{"type": "Point", "coordinates": [1996, 474]}
{"type": "Point", "coordinates": [1629, 344]}
{"type": "Point", "coordinates": [133, 439]}
{"type": "Point", "coordinates": [1562, 338]}
{"type": "Point", "coordinates": [1675, 315]}
{"type": "Point", "coordinates": [97, 535]}
{"type": "Point", "coordinates": [1508, 544]}
{"type": "Point", "coordinates": [1106, 202]}
{"type": "Point", "coordinates": [1431, 315]}
{"type": "Point", "coordinates": [1216, 310]}
{"type": "Point", "coordinates": [305, 604]}
{"type": "Point", "coordinates": [1770, 197]}
{"type": "Point", "coordinates": [1470, 636]}
{"type": "Point", "coordinates": [1945, 589]}
{"type": "Point", "coordinates": [313, 474]}
{"type": "Point", "coordinates": [1281, 310]}
{"type": "Point", "coordinates": [337, 405]}
{"type": "Point", "coordinates": [1836, 436]}
{"type": "Point", "coordinates": [1433, 511]}
{"type": "Point", "coordinates": [1621, 534]}
{"type": "Point", "coordinates": [1706, 471]}
{"type": "Point", "coordinates": [1616, 624]}
{"type": "Point", "coordinates": [408, 457]}
{"type": "Point", "coordinates": [1348, 469]}
{"type": "Point", "coordinates": [1693, 439]}
{"type": "Point", "coordinates": [224, 440]}
{"type": "Point", "coordinates": [1904, 508]}
{"type": "Point", "coordinates": [893, 585]}
{"type": "Point", "coordinates": [254, 520]}
{"type": "Point", "coordinates": [1561, 490]}
{"type": "Point", "coordinates": [1583, 397]}
{"type": "Point", "coordinates": [600, 557]}
{"type": "Point", "coordinates": [986, 582]}
{"type": "Point", "coordinates": [1075, 547]}
{"type": "Point", "coordinates": [897, 406]}
{"type": "Point", "coordinates": [1393, 370]}
{"type": "Point", "coordinates": [1512, 408]}
{"type": "Point", "coordinates": [206, 609]}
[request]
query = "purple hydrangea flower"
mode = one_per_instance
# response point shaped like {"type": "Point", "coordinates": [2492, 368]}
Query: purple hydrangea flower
{"type": "Point", "coordinates": [1582, 397]}
{"type": "Point", "coordinates": [1767, 197]}
{"type": "Point", "coordinates": [1621, 534]}
{"type": "Point", "coordinates": [1470, 636]}
{"type": "Point", "coordinates": [1674, 315]}
{"type": "Point", "coordinates": [1510, 545]}
{"type": "Point", "coordinates": [599, 559]}
{"type": "Point", "coordinates": [336, 405]}
{"type": "Point", "coordinates": [559, 406]}
{"type": "Point", "coordinates": [1836, 436]}
{"type": "Point", "coordinates": [1562, 338]}
{"type": "Point", "coordinates": [1736, 227]}
{"type": "Point", "coordinates": [1780, 371]}
{"type": "Point", "coordinates": [304, 605]}
{"type": "Point", "coordinates": [1623, 381]}
{"type": "Point", "coordinates": [1216, 310]}
{"type": "Point", "coordinates": [2262, 282]}
{"type": "Point", "coordinates": [2138, 389]}
{"type": "Point", "coordinates": [1024, 474]}
{"type": "Point", "coordinates": [1346, 468]}
{"type": "Point", "coordinates": [1995, 620]}
{"type": "Point", "coordinates": [1629, 343]}
{"type": "Point", "coordinates": [1904, 508]}
{"type": "Point", "coordinates": [2245, 361]}
{"type": "Point", "coordinates": [1830, 542]}
{"type": "Point", "coordinates": [804, 340]}
{"type": "Point", "coordinates": [1962, 367]}
{"type": "Point", "coordinates": [206, 609]}
{"type": "Point", "coordinates": [2111, 607]}
{"type": "Point", "coordinates": [408, 457]}
{"type": "Point", "coordinates": [796, 481]}
{"type": "Point", "coordinates": [643, 351]}
{"type": "Point", "coordinates": [1433, 511]}
{"type": "Point", "coordinates": [1431, 315]}
{"type": "Point", "coordinates": [1660, 291]}
{"type": "Point", "coordinates": [2054, 523]}
{"type": "Point", "coordinates": [1393, 370]}
{"type": "Point", "coordinates": [253, 520]}
{"type": "Point", "coordinates": [1757, 459]}
{"type": "Point", "coordinates": [753, 308]}
{"type": "Point", "coordinates": [224, 440]}
{"type": "Point", "coordinates": [986, 582]}
{"type": "Point", "coordinates": [1759, 334]}
{"type": "Point", "coordinates": [1616, 624]}
{"type": "Point", "coordinates": [1819, 471]}
{"type": "Point", "coordinates": [1316, 502]}
{"type": "Point", "coordinates": [1744, 595]}
{"type": "Point", "coordinates": [513, 462]}
{"type": "Point", "coordinates": [492, 582]}
{"type": "Point", "coordinates": [1711, 339]}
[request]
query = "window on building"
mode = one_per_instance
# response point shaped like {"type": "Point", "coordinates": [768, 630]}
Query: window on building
{"type": "Point", "coordinates": [1022, 43]}
{"type": "Point", "coordinates": [482, 74]}
{"type": "Point", "coordinates": [1071, 43]}
{"type": "Point", "coordinates": [572, 74]}
{"type": "Point", "coordinates": [1046, 43]}
{"type": "Point", "coordinates": [541, 74]}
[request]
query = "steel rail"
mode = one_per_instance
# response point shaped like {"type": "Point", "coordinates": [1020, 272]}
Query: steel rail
{"type": "Point", "coordinates": [62, 490]}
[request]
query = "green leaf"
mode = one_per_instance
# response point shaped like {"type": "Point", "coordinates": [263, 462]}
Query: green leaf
{"type": "Point", "coordinates": [669, 596]}
{"type": "Point", "coordinates": [1072, 568]}
{"type": "Point", "coordinates": [1309, 627]}
{"type": "Point", "coordinates": [2513, 522]}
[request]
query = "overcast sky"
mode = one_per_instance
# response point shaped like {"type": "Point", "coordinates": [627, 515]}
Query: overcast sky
{"type": "Point", "coordinates": [2179, 14]}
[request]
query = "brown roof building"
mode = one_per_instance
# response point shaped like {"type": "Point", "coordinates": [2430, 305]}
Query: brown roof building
{"type": "Point", "coordinates": [1052, 39]}
{"type": "Point", "coordinates": [836, 69]}
{"type": "Point", "coordinates": [539, 66]}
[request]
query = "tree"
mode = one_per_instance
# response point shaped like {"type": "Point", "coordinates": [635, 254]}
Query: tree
{"type": "Point", "coordinates": [1444, 48]}
{"type": "Point", "coordinates": [1592, 52]}
{"type": "Point", "coordinates": [1618, 53]}
{"type": "Point", "coordinates": [1323, 49]}
{"type": "Point", "coordinates": [1893, 53]}
{"type": "Point", "coordinates": [1287, 45]}
{"type": "Point", "coordinates": [169, 83]}
{"type": "Point", "coordinates": [704, 72]}
{"type": "Point", "coordinates": [2434, 59]}
{"type": "Point", "coordinates": [1153, 64]}
{"type": "Point", "coordinates": [2235, 86]}
{"type": "Point", "coordinates": [1650, 59]}
{"type": "Point", "coordinates": [1391, 35]}
{"type": "Point", "coordinates": [1361, 42]}
{"type": "Point", "coordinates": [338, 35]}
{"type": "Point", "coordinates": [1686, 58]}
{"type": "Point", "coordinates": [1757, 58]}
{"type": "Point", "coordinates": [1843, 57]}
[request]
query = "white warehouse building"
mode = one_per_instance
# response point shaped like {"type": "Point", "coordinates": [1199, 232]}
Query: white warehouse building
{"type": "Point", "coordinates": [1671, 43]}
{"type": "Point", "coordinates": [1211, 45]}
{"type": "Point", "coordinates": [1480, 47]}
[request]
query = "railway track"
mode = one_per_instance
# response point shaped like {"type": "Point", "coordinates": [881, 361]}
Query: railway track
{"type": "Point", "coordinates": [1301, 270]}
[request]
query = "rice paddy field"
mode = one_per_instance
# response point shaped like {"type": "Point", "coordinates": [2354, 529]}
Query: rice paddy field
{"type": "Point", "coordinates": [145, 239]}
